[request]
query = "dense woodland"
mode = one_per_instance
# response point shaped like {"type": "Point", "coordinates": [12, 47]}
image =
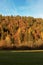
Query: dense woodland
{"type": "Point", "coordinates": [21, 32]}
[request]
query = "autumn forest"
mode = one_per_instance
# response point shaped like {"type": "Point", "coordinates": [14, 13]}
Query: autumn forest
{"type": "Point", "coordinates": [21, 32]}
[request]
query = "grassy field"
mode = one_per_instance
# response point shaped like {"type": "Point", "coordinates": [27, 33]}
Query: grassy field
{"type": "Point", "coordinates": [21, 58]}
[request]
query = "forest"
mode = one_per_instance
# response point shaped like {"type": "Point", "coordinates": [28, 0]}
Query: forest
{"type": "Point", "coordinates": [21, 32]}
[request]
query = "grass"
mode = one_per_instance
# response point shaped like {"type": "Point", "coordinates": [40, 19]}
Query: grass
{"type": "Point", "coordinates": [21, 58]}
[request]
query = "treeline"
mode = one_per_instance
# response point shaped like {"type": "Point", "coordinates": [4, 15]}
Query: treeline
{"type": "Point", "coordinates": [21, 32]}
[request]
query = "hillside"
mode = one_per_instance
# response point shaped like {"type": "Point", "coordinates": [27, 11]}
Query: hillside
{"type": "Point", "coordinates": [21, 32]}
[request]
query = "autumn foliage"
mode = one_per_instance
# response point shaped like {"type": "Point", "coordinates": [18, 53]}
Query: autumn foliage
{"type": "Point", "coordinates": [20, 32]}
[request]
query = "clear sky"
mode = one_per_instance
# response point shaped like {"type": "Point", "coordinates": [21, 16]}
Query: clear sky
{"type": "Point", "coordinates": [22, 7]}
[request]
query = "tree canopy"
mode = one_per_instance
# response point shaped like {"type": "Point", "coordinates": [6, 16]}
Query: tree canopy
{"type": "Point", "coordinates": [21, 31]}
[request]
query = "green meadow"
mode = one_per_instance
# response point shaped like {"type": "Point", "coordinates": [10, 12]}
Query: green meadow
{"type": "Point", "coordinates": [21, 58]}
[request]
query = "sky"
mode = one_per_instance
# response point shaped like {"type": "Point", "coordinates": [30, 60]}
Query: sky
{"type": "Point", "coordinates": [32, 8]}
